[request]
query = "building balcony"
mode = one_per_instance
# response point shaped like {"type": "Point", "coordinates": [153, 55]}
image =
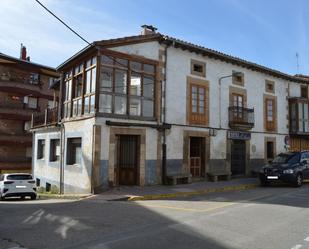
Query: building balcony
{"type": "Point", "coordinates": [24, 82]}
{"type": "Point", "coordinates": [241, 118]}
{"type": "Point", "coordinates": [16, 109]}
{"type": "Point", "coordinates": [47, 118]}
{"type": "Point", "coordinates": [299, 116]}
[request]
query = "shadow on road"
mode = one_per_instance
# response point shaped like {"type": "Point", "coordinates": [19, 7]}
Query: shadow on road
{"type": "Point", "coordinates": [94, 223]}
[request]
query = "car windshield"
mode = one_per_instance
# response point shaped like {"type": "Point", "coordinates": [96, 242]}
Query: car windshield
{"type": "Point", "coordinates": [285, 158]}
{"type": "Point", "coordinates": [19, 177]}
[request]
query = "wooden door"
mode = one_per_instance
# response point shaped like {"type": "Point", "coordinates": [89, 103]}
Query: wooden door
{"type": "Point", "coordinates": [238, 157]}
{"type": "Point", "coordinates": [196, 156]}
{"type": "Point", "coordinates": [128, 155]}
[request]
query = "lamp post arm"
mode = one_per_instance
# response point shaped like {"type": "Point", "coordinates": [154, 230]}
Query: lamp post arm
{"type": "Point", "coordinates": [219, 81]}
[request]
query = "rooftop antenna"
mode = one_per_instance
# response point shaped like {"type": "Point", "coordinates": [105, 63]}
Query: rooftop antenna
{"type": "Point", "coordinates": [297, 62]}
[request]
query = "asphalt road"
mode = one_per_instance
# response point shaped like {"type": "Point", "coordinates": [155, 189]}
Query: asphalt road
{"type": "Point", "coordinates": [261, 218]}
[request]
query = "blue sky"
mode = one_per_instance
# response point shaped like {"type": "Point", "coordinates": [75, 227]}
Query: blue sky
{"type": "Point", "coordinates": [265, 32]}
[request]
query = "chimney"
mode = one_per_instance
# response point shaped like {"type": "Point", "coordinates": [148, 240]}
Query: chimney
{"type": "Point", "coordinates": [148, 29]}
{"type": "Point", "coordinates": [23, 52]}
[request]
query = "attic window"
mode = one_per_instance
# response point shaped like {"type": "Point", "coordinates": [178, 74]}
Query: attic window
{"type": "Point", "coordinates": [269, 86]}
{"type": "Point", "coordinates": [34, 78]}
{"type": "Point", "coordinates": [198, 68]}
{"type": "Point", "coordinates": [238, 78]}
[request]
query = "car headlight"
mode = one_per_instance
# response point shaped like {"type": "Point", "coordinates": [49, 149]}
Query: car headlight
{"type": "Point", "coordinates": [288, 171]}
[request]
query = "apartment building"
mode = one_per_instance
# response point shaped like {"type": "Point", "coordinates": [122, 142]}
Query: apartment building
{"type": "Point", "coordinates": [137, 109]}
{"type": "Point", "coordinates": [24, 89]}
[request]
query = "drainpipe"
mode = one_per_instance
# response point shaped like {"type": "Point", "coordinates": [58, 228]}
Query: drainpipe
{"type": "Point", "coordinates": [92, 185]}
{"type": "Point", "coordinates": [62, 136]}
{"type": "Point", "coordinates": [62, 143]}
{"type": "Point", "coordinates": [164, 119]}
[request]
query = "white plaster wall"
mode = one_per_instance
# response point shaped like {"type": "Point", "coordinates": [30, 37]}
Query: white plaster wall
{"type": "Point", "coordinates": [151, 144]}
{"type": "Point", "coordinates": [218, 145]}
{"type": "Point", "coordinates": [149, 50]}
{"type": "Point", "coordinates": [78, 177]}
{"type": "Point", "coordinates": [174, 143]}
{"type": "Point", "coordinates": [43, 169]}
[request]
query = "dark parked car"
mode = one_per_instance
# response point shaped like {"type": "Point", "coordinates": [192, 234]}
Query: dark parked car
{"type": "Point", "coordinates": [289, 167]}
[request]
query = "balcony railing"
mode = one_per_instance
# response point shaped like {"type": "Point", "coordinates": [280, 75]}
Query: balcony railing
{"type": "Point", "coordinates": [20, 77]}
{"type": "Point", "coordinates": [241, 118]}
{"type": "Point", "coordinates": [49, 117]}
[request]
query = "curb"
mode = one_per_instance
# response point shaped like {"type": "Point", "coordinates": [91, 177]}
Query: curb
{"type": "Point", "coordinates": [192, 193]}
{"type": "Point", "coordinates": [57, 196]}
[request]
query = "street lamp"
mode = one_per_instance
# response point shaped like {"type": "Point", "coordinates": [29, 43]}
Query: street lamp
{"type": "Point", "coordinates": [234, 74]}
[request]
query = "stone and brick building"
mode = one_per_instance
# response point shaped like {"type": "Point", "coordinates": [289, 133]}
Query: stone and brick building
{"type": "Point", "coordinates": [138, 108]}
{"type": "Point", "coordinates": [24, 89]}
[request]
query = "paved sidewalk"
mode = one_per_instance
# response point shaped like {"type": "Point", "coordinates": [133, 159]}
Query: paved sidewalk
{"type": "Point", "coordinates": [133, 193]}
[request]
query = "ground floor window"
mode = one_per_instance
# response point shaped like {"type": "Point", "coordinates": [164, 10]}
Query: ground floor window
{"type": "Point", "coordinates": [41, 149]}
{"type": "Point", "coordinates": [54, 153]}
{"type": "Point", "coordinates": [74, 151]}
{"type": "Point", "coordinates": [270, 148]}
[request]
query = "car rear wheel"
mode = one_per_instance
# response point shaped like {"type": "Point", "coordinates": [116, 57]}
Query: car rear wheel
{"type": "Point", "coordinates": [33, 197]}
{"type": "Point", "coordinates": [2, 198]}
{"type": "Point", "coordinates": [298, 181]}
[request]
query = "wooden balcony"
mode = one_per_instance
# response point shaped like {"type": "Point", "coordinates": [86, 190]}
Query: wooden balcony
{"type": "Point", "coordinates": [299, 116]}
{"type": "Point", "coordinates": [22, 82]}
{"type": "Point", "coordinates": [241, 118]}
{"type": "Point", "coordinates": [17, 110]}
{"type": "Point", "coordinates": [46, 118]}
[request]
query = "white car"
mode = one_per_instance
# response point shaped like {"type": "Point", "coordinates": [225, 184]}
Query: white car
{"type": "Point", "coordinates": [17, 185]}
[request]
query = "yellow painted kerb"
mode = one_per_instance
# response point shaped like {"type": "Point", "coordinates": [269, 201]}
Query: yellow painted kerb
{"type": "Point", "coordinates": [191, 193]}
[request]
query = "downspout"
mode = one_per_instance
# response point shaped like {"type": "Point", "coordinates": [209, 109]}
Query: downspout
{"type": "Point", "coordinates": [62, 145]}
{"type": "Point", "coordinates": [92, 162]}
{"type": "Point", "coordinates": [62, 136]}
{"type": "Point", "coordinates": [164, 119]}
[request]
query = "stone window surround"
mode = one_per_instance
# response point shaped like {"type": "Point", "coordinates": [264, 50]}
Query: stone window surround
{"type": "Point", "coordinates": [238, 91]}
{"type": "Point", "coordinates": [269, 139]}
{"type": "Point", "coordinates": [186, 148]}
{"type": "Point", "coordinates": [199, 63]}
{"type": "Point", "coordinates": [267, 84]}
{"type": "Point", "coordinates": [202, 83]}
{"type": "Point", "coordinates": [275, 113]}
{"type": "Point", "coordinates": [235, 80]}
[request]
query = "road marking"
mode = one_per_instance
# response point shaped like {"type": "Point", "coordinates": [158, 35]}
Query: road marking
{"type": "Point", "coordinates": [307, 239]}
{"type": "Point", "coordinates": [175, 208]}
{"type": "Point", "coordinates": [220, 205]}
{"type": "Point", "coordinates": [296, 246]}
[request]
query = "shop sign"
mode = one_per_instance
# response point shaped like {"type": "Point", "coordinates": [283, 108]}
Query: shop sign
{"type": "Point", "coordinates": [240, 135]}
